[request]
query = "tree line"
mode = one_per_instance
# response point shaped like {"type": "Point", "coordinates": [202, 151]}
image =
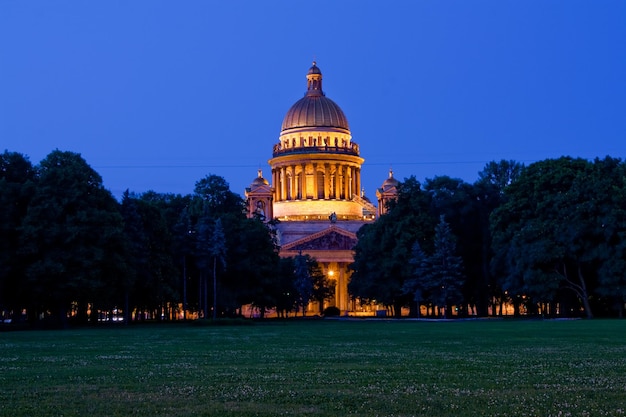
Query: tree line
{"type": "Point", "coordinates": [69, 251]}
{"type": "Point", "coordinates": [548, 238]}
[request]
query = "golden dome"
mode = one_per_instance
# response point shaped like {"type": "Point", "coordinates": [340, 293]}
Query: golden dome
{"type": "Point", "coordinates": [315, 109]}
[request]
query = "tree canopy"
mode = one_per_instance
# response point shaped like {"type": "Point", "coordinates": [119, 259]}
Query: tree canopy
{"type": "Point", "coordinates": [72, 236]}
{"type": "Point", "coordinates": [381, 261]}
{"type": "Point", "coordinates": [560, 229]}
{"type": "Point", "coordinates": [437, 278]}
{"type": "Point", "coordinates": [549, 238]}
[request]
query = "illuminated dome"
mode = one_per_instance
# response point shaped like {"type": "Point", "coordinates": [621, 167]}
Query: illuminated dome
{"type": "Point", "coordinates": [315, 110]}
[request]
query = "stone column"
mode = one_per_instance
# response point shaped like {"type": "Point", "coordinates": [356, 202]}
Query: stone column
{"type": "Point", "coordinates": [293, 182]}
{"type": "Point", "coordinates": [342, 296]}
{"type": "Point", "coordinates": [315, 190]}
{"type": "Point", "coordinates": [283, 184]}
{"type": "Point", "coordinates": [346, 183]}
{"type": "Point", "coordinates": [351, 181]}
{"type": "Point", "coordinates": [303, 190]}
{"type": "Point", "coordinates": [337, 183]}
{"type": "Point", "coordinates": [326, 181]}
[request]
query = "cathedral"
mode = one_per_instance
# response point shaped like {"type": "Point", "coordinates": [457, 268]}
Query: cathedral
{"type": "Point", "coordinates": [315, 191]}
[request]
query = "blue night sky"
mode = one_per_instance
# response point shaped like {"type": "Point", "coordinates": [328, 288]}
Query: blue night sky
{"type": "Point", "coordinates": [157, 94]}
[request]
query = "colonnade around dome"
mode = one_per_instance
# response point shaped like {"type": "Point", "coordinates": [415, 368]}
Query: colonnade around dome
{"type": "Point", "coordinates": [316, 181]}
{"type": "Point", "coordinates": [308, 185]}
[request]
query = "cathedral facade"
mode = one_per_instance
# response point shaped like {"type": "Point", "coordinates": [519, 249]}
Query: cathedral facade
{"type": "Point", "coordinates": [315, 191]}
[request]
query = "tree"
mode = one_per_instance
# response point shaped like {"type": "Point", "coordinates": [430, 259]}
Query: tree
{"type": "Point", "coordinates": [447, 269]}
{"type": "Point", "coordinates": [254, 273]}
{"type": "Point", "coordinates": [418, 284]}
{"type": "Point", "coordinates": [523, 228]}
{"type": "Point", "coordinates": [178, 242]}
{"type": "Point", "coordinates": [184, 249]}
{"type": "Point", "coordinates": [303, 283]}
{"type": "Point", "coordinates": [458, 202]}
{"type": "Point", "coordinates": [218, 252]}
{"type": "Point", "coordinates": [213, 200]}
{"type": "Point", "coordinates": [250, 248]}
{"type": "Point", "coordinates": [381, 262]}
{"type": "Point", "coordinates": [438, 278]}
{"type": "Point", "coordinates": [212, 194]}
{"type": "Point", "coordinates": [555, 229]}
{"type": "Point", "coordinates": [17, 177]}
{"type": "Point", "coordinates": [287, 298]}
{"type": "Point", "coordinates": [72, 236]}
{"type": "Point", "coordinates": [155, 294]}
{"type": "Point", "coordinates": [499, 175]}
{"type": "Point", "coordinates": [490, 194]}
{"type": "Point", "coordinates": [204, 256]}
{"type": "Point", "coordinates": [301, 280]}
{"type": "Point", "coordinates": [602, 242]}
{"type": "Point", "coordinates": [323, 287]}
{"type": "Point", "coordinates": [137, 245]}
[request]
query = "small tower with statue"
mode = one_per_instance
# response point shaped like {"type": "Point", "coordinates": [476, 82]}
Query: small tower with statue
{"type": "Point", "coordinates": [259, 198]}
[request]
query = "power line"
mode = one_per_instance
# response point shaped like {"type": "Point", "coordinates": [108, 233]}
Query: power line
{"type": "Point", "coordinates": [186, 166]}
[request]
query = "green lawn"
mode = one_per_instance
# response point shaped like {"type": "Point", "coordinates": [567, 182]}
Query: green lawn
{"type": "Point", "coordinates": [319, 368]}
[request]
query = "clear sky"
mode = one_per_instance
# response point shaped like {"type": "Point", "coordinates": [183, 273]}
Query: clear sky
{"type": "Point", "coordinates": [157, 94]}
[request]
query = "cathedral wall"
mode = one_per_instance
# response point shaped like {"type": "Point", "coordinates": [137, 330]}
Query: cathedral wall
{"type": "Point", "coordinates": [317, 209]}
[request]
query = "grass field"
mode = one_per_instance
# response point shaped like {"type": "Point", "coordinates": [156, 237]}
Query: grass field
{"type": "Point", "coordinates": [319, 368]}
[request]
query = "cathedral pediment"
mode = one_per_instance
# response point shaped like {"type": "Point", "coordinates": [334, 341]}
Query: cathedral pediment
{"type": "Point", "coordinates": [333, 238]}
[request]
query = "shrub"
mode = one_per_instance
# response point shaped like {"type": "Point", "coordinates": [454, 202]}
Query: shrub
{"type": "Point", "coordinates": [331, 311]}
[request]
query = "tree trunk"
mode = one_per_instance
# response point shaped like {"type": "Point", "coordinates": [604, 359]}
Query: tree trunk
{"type": "Point", "coordinates": [206, 296]}
{"type": "Point", "coordinates": [184, 287]}
{"type": "Point", "coordinates": [126, 308]}
{"type": "Point", "coordinates": [83, 318]}
{"type": "Point", "coordinates": [397, 310]}
{"type": "Point", "coordinates": [584, 295]}
{"type": "Point", "coordinates": [214, 287]}
{"type": "Point", "coordinates": [63, 318]}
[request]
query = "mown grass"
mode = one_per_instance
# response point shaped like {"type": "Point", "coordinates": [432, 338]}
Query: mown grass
{"type": "Point", "coordinates": [319, 368]}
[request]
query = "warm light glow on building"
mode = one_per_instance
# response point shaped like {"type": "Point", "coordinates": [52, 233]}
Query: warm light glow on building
{"type": "Point", "coordinates": [315, 188]}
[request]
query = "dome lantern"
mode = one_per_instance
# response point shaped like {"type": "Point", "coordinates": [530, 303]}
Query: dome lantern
{"type": "Point", "coordinates": [314, 81]}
